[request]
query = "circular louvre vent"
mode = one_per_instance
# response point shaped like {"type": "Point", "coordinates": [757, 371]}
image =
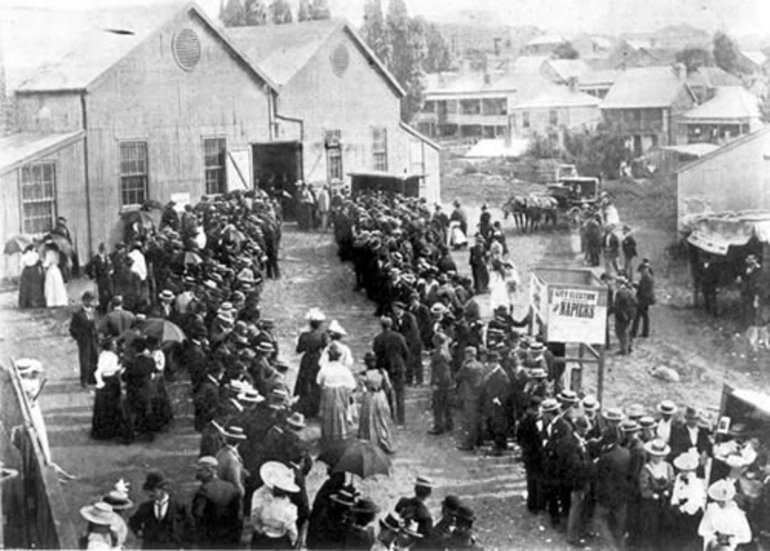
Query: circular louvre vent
{"type": "Point", "coordinates": [340, 59]}
{"type": "Point", "coordinates": [187, 49]}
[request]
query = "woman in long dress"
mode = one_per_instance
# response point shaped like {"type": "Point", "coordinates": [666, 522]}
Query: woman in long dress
{"type": "Point", "coordinates": [162, 413]}
{"type": "Point", "coordinates": [31, 293]}
{"type": "Point", "coordinates": [337, 385]}
{"type": "Point", "coordinates": [374, 421]}
{"type": "Point", "coordinates": [55, 290]}
{"type": "Point", "coordinates": [498, 290]}
{"type": "Point", "coordinates": [656, 482]}
{"type": "Point", "coordinates": [310, 344]}
{"type": "Point", "coordinates": [108, 418]}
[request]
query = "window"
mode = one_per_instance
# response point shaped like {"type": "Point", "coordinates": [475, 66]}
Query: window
{"type": "Point", "coordinates": [214, 158]}
{"type": "Point", "coordinates": [470, 106]}
{"type": "Point", "coordinates": [38, 197]}
{"type": "Point", "coordinates": [525, 119]}
{"type": "Point", "coordinates": [493, 106]}
{"type": "Point", "coordinates": [513, 120]}
{"type": "Point", "coordinates": [553, 117]}
{"type": "Point", "coordinates": [380, 148]}
{"type": "Point", "coordinates": [429, 107]}
{"type": "Point", "coordinates": [133, 173]}
{"type": "Point", "coordinates": [333, 155]}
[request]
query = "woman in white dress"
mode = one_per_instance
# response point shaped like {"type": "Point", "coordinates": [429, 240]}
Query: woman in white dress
{"type": "Point", "coordinates": [54, 289]}
{"type": "Point", "coordinates": [503, 282]}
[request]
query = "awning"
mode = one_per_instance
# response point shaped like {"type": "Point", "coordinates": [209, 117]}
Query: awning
{"type": "Point", "coordinates": [21, 148]}
{"type": "Point", "coordinates": [693, 149]}
{"type": "Point", "coordinates": [716, 233]}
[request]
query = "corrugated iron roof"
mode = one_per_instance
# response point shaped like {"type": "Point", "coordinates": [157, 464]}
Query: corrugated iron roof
{"type": "Point", "coordinates": [738, 142]}
{"type": "Point", "coordinates": [757, 57]}
{"type": "Point", "coordinates": [529, 64]}
{"type": "Point", "coordinates": [567, 68]}
{"type": "Point", "coordinates": [711, 77]}
{"type": "Point", "coordinates": [545, 39]}
{"type": "Point", "coordinates": [644, 87]}
{"type": "Point", "coordinates": [24, 147]}
{"type": "Point", "coordinates": [730, 102]}
{"type": "Point", "coordinates": [558, 96]}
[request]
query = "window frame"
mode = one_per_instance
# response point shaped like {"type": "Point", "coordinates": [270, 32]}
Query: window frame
{"type": "Point", "coordinates": [24, 202]}
{"type": "Point", "coordinates": [123, 176]}
{"type": "Point", "coordinates": [380, 154]}
{"type": "Point", "coordinates": [525, 120]}
{"type": "Point", "coordinates": [553, 117]}
{"type": "Point", "coordinates": [334, 164]}
{"type": "Point", "coordinates": [223, 168]}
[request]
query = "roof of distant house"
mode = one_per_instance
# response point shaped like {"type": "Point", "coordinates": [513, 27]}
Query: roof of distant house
{"type": "Point", "coordinates": [24, 147]}
{"type": "Point", "coordinates": [546, 39]}
{"type": "Point", "coordinates": [755, 56]}
{"type": "Point", "coordinates": [474, 84]}
{"type": "Point", "coordinates": [558, 96]}
{"type": "Point", "coordinates": [711, 77]}
{"type": "Point", "coordinates": [730, 102]}
{"type": "Point", "coordinates": [568, 68]}
{"type": "Point", "coordinates": [528, 64]}
{"type": "Point", "coordinates": [645, 87]}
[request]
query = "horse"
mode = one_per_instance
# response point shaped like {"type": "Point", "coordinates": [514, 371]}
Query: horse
{"type": "Point", "coordinates": [542, 210]}
{"type": "Point", "coordinates": [516, 206]}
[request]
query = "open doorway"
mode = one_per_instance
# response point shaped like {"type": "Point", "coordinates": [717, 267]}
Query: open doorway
{"type": "Point", "coordinates": [277, 167]}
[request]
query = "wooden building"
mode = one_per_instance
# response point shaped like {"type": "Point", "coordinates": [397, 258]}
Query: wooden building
{"type": "Point", "coordinates": [338, 108]}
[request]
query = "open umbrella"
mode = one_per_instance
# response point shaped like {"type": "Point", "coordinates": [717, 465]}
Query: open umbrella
{"type": "Point", "coordinates": [63, 244]}
{"type": "Point", "coordinates": [162, 330]}
{"type": "Point", "coordinates": [359, 457]}
{"type": "Point", "coordinates": [192, 259]}
{"type": "Point", "coordinates": [17, 244]}
{"type": "Point", "coordinates": [152, 204]}
{"type": "Point", "coordinates": [142, 216]}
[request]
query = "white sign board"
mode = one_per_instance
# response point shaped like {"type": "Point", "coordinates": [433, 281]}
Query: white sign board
{"type": "Point", "coordinates": [576, 314]}
{"type": "Point", "coordinates": [181, 200]}
{"type": "Point", "coordinates": [238, 170]}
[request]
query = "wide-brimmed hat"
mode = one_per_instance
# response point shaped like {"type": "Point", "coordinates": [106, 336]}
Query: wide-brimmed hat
{"type": "Point", "coordinates": [423, 482]}
{"type": "Point", "coordinates": [28, 366]}
{"type": "Point", "coordinates": [411, 529]}
{"type": "Point", "coordinates": [250, 396]}
{"type": "Point", "coordinates": [365, 505]}
{"type": "Point", "coordinates": [119, 501]}
{"type": "Point", "coordinates": [392, 522]}
{"type": "Point", "coordinates": [166, 295]}
{"type": "Point", "coordinates": [296, 421]}
{"type": "Point", "coordinates": [687, 461]}
{"type": "Point", "coordinates": [100, 513]}
{"type": "Point", "coordinates": [549, 405]}
{"type": "Point", "coordinates": [629, 425]}
{"type": "Point", "coordinates": [344, 498]}
{"type": "Point", "coordinates": [657, 447]}
{"type": "Point", "coordinates": [538, 373]}
{"type": "Point", "coordinates": [207, 462]}
{"type": "Point", "coordinates": [233, 431]}
{"type": "Point", "coordinates": [336, 328]}
{"type": "Point", "coordinates": [315, 314]}
{"type": "Point", "coordinates": [536, 346]}
{"type": "Point", "coordinates": [265, 347]}
{"type": "Point", "coordinates": [613, 414]}
{"type": "Point", "coordinates": [722, 490]}
{"type": "Point", "coordinates": [667, 407]}
{"type": "Point", "coordinates": [568, 396]}
{"type": "Point", "coordinates": [635, 411]}
{"type": "Point", "coordinates": [154, 480]}
{"type": "Point", "coordinates": [590, 403]}
{"type": "Point", "coordinates": [278, 475]}
{"type": "Point", "coordinates": [647, 422]}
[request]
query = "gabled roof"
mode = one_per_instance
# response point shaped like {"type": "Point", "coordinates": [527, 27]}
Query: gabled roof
{"type": "Point", "coordinates": [112, 35]}
{"type": "Point", "coordinates": [739, 142]}
{"type": "Point", "coordinates": [729, 103]}
{"type": "Point", "coordinates": [595, 78]}
{"type": "Point", "coordinates": [21, 148]}
{"type": "Point", "coordinates": [568, 68]}
{"type": "Point", "coordinates": [757, 57]}
{"type": "Point", "coordinates": [546, 39]}
{"type": "Point", "coordinates": [529, 64]}
{"type": "Point", "coordinates": [283, 50]}
{"type": "Point", "coordinates": [419, 135]}
{"type": "Point", "coordinates": [558, 96]}
{"type": "Point", "coordinates": [711, 77]}
{"type": "Point", "coordinates": [645, 87]}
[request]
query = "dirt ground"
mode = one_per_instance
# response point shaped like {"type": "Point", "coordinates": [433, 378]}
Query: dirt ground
{"type": "Point", "coordinates": [704, 351]}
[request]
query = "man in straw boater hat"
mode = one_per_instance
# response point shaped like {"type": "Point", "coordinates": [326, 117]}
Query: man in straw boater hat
{"type": "Point", "coordinates": [390, 527]}
{"type": "Point", "coordinates": [216, 508]}
{"type": "Point", "coordinates": [160, 522]}
{"type": "Point", "coordinates": [118, 499]}
{"type": "Point", "coordinates": [414, 508]}
{"type": "Point", "coordinates": [273, 516]}
{"type": "Point", "coordinates": [99, 533]}
{"type": "Point", "coordinates": [556, 433]}
{"type": "Point", "coordinates": [666, 421]}
{"type": "Point", "coordinates": [469, 379]}
{"type": "Point", "coordinates": [611, 488]}
{"type": "Point", "coordinates": [724, 524]}
{"type": "Point", "coordinates": [229, 459]}
{"type": "Point", "coordinates": [629, 430]}
{"type": "Point", "coordinates": [165, 307]}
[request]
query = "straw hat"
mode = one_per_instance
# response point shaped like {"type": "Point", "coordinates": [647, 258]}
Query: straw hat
{"type": "Point", "coordinates": [613, 414]}
{"type": "Point", "coordinates": [549, 405]}
{"type": "Point", "coordinates": [721, 490]}
{"type": "Point", "coordinates": [538, 373]}
{"type": "Point", "coordinates": [635, 411]}
{"type": "Point", "coordinates": [166, 295]}
{"type": "Point", "coordinates": [423, 482]}
{"type": "Point", "coordinates": [568, 396]}
{"type": "Point", "coordinates": [657, 448]}
{"type": "Point", "coordinates": [336, 328]}
{"type": "Point", "coordinates": [315, 314]}
{"type": "Point", "coordinates": [686, 461]}
{"type": "Point", "coordinates": [392, 522]}
{"type": "Point", "coordinates": [590, 403]}
{"type": "Point", "coordinates": [278, 475]}
{"type": "Point", "coordinates": [296, 421]}
{"type": "Point", "coordinates": [28, 366]}
{"type": "Point", "coordinates": [667, 407]}
{"type": "Point", "coordinates": [100, 513]}
{"type": "Point", "coordinates": [234, 432]}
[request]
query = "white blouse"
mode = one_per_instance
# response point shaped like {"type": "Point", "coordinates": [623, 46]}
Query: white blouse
{"type": "Point", "coordinates": [107, 366]}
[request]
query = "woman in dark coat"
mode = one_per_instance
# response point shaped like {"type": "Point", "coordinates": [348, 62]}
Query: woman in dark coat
{"type": "Point", "coordinates": [656, 482]}
{"type": "Point", "coordinates": [32, 278]}
{"type": "Point", "coordinates": [138, 378]}
{"type": "Point", "coordinates": [310, 344]}
{"type": "Point", "coordinates": [108, 417]}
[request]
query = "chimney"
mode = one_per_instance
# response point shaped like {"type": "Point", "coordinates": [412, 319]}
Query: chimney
{"type": "Point", "coordinates": [572, 82]}
{"type": "Point", "coordinates": [679, 70]}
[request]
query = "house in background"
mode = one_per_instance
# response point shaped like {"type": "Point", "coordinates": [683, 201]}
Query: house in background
{"type": "Point", "coordinates": [545, 44]}
{"type": "Point", "coordinates": [644, 104]}
{"type": "Point", "coordinates": [705, 80]}
{"type": "Point", "coordinates": [563, 71]}
{"type": "Point", "coordinates": [731, 113]}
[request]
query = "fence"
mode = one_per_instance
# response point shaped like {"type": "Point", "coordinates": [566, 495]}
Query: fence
{"type": "Point", "coordinates": [33, 507]}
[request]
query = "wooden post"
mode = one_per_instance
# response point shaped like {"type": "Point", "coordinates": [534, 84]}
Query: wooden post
{"type": "Point", "coordinates": [600, 376]}
{"type": "Point", "coordinates": [576, 382]}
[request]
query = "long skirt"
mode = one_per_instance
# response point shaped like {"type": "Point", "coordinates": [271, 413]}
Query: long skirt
{"type": "Point", "coordinates": [108, 417]}
{"type": "Point", "coordinates": [55, 290]}
{"type": "Point", "coordinates": [335, 424]}
{"type": "Point", "coordinates": [374, 420]}
{"type": "Point", "coordinates": [162, 413]}
{"type": "Point", "coordinates": [31, 288]}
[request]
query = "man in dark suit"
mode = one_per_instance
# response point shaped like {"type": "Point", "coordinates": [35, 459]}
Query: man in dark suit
{"type": "Point", "coordinates": [392, 354]}
{"type": "Point", "coordinates": [469, 380]}
{"type": "Point", "coordinates": [496, 402]}
{"type": "Point", "coordinates": [689, 436]}
{"type": "Point", "coordinates": [206, 399]}
{"type": "Point", "coordinates": [414, 508]}
{"type": "Point", "coordinates": [118, 321]}
{"type": "Point", "coordinates": [405, 323]}
{"type": "Point", "coordinates": [612, 489]}
{"type": "Point", "coordinates": [424, 319]}
{"type": "Point", "coordinates": [83, 330]}
{"type": "Point", "coordinates": [216, 508]}
{"type": "Point", "coordinates": [161, 522]}
{"type": "Point", "coordinates": [557, 435]}
{"type": "Point", "coordinates": [101, 270]}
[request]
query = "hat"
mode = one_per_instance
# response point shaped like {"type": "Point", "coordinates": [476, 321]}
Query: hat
{"type": "Point", "coordinates": [266, 323]}
{"type": "Point", "coordinates": [686, 461]}
{"type": "Point", "coordinates": [166, 295]}
{"type": "Point", "coordinates": [465, 513]}
{"type": "Point", "coordinates": [118, 498]}
{"type": "Point", "coordinates": [691, 413]}
{"type": "Point", "coordinates": [278, 475]}
{"type": "Point", "coordinates": [647, 422]}
{"type": "Point", "coordinates": [208, 462]}
{"type": "Point", "coordinates": [538, 373]}
{"type": "Point", "coordinates": [451, 502]}
{"type": "Point", "coordinates": [549, 405]}
{"type": "Point", "coordinates": [629, 425]}
{"type": "Point", "coordinates": [590, 403]}
{"type": "Point", "coordinates": [365, 505]}
{"type": "Point", "coordinates": [635, 411]}
{"type": "Point", "coordinates": [657, 447]}
{"type": "Point", "coordinates": [399, 304]}
{"type": "Point", "coordinates": [344, 497]}
{"type": "Point", "coordinates": [234, 432]}
{"type": "Point", "coordinates": [613, 414]}
{"type": "Point", "coordinates": [722, 490]}
{"type": "Point", "coordinates": [335, 327]}
{"type": "Point", "coordinates": [536, 346]}
{"type": "Point", "coordinates": [667, 407]}
{"type": "Point", "coordinates": [315, 314]}
{"type": "Point", "coordinates": [265, 347]}
{"type": "Point", "coordinates": [568, 396]}
{"type": "Point", "coordinates": [738, 430]}
{"type": "Point", "coordinates": [100, 513]}
{"type": "Point", "coordinates": [391, 522]}
{"type": "Point", "coordinates": [438, 309]}
{"type": "Point", "coordinates": [88, 296]}
{"type": "Point", "coordinates": [296, 421]}
{"type": "Point", "coordinates": [245, 276]}
{"type": "Point", "coordinates": [154, 479]}
{"type": "Point", "coordinates": [28, 366]}
{"type": "Point", "coordinates": [250, 396]}
{"type": "Point", "coordinates": [471, 349]}
{"type": "Point", "coordinates": [423, 482]}
{"type": "Point", "coordinates": [386, 321]}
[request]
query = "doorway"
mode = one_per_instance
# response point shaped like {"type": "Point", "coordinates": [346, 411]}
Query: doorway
{"type": "Point", "coordinates": [277, 168]}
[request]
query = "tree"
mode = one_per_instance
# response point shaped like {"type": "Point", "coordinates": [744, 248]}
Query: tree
{"type": "Point", "coordinates": [303, 11]}
{"type": "Point", "coordinates": [695, 58]}
{"type": "Point", "coordinates": [233, 14]}
{"type": "Point", "coordinates": [413, 82]}
{"type": "Point", "coordinates": [566, 50]}
{"type": "Point", "coordinates": [437, 56]}
{"type": "Point", "coordinates": [596, 152]}
{"type": "Point", "coordinates": [319, 9]}
{"type": "Point", "coordinates": [397, 24]}
{"type": "Point", "coordinates": [726, 54]}
{"type": "Point", "coordinates": [280, 12]}
{"type": "Point", "coordinates": [374, 32]}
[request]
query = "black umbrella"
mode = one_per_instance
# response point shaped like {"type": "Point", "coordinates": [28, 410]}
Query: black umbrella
{"type": "Point", "coordinates": [17, 244]}
{"type": "Point", "coordinates": [359, 457]}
